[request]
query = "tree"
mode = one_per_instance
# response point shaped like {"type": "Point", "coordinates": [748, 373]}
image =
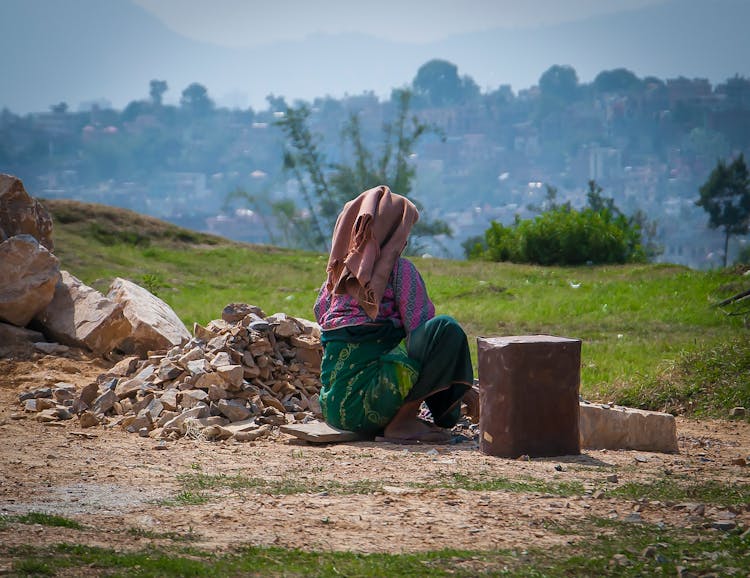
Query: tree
{"type": "Point", "coordinates": [326, 187]}
{"type": "Point", "coordinates": [561, 235]}
{"type": "Point", "coordinates": [305, 161]}
{"type": "Point", "coordinates": [438, 84]}
{"type": "Point", "coordinates": [195, 99]}
{"type": "Point", "coordinates": [391, 166]}
{"type": "Point", "coordinates": [559, 82]}
{"type": "Point", "coordinates": [157, 88]}
{"type": "Point", "coordinates": [60, 108]}
{"type": "Point", "coordinates": [725, 196]}
{"type": "Point", "coordinates": [619, 80]}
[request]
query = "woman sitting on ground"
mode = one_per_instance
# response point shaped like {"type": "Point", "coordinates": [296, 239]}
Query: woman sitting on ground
{"type": "Point", "coordinates": [385, 352]}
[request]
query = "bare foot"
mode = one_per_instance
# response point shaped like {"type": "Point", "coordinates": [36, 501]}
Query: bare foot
{"type": "Point", "coordinates": [415, 430]}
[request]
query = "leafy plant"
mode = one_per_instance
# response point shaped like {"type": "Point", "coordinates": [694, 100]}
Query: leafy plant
{"type": "Point", "coordinates": [597, 234]}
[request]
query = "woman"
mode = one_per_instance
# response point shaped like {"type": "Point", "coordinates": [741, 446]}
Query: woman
{"type": "Point", "coordinates": [385, 352]}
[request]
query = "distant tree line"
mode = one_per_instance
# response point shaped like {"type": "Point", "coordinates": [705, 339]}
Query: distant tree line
{"type": "Point", "coordinates": [331, 149]}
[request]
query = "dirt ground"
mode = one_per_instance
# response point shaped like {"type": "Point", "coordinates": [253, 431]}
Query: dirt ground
{"type": "Point", "coordinates": [118, 485]}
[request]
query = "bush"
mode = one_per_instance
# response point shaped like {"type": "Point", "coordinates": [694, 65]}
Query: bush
{"type": "Point", "coordinates": [564, 236]}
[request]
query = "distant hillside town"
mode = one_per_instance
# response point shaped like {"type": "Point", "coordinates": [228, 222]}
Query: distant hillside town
{"type": "Point", "coordinates": [650, 143]}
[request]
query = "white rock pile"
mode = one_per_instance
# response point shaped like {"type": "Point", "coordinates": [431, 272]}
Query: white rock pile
{"type": "Point", "coordinates": [239, 377]}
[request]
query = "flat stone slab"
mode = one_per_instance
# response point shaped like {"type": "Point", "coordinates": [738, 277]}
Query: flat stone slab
{"type": "Point", "coordinates": [319, 432]}
{"type": "Point", "coordinates": [614, 427]}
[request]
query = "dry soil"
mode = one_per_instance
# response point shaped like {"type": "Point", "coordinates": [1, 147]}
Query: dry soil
{"type": "Point", "coordinates": [125, 490]}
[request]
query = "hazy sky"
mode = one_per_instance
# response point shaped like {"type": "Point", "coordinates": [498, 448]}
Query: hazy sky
{"type": "Point", "coordinates": [253, 22]}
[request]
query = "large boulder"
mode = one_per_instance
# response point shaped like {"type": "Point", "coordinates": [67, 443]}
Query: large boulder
{"type": "Point", "coordinates": [22, 215]}
{"type": "Point", "coordinates": [81, 316]}
{"type": "Point", "coordinates": [155, 325]}
{"type": "Point", "coordinates": [28, 276]}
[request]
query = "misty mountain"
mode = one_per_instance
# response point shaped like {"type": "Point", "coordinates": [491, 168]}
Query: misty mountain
{"type": "Point", "coordinates": [83, 50]}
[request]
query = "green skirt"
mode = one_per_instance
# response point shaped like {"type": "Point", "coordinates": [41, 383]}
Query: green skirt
{"type": "Point", "coordinates": [369, 371]}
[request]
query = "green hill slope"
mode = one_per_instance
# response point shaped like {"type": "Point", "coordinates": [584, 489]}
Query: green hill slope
{"type": "Point", "coordinates": [651, 337]}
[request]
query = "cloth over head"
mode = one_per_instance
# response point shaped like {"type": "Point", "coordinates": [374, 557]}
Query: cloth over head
{"type": "Point", "coordinates": [370, 234]}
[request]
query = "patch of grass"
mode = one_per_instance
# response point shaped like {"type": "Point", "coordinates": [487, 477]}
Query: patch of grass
{"type": "Point", "coordinates": [192, 482]}
{"type": "Point", "coordinates": [173, 536]}
{"type": "Point", "coordinates": [200, 482]}
{"type": "Point", "coordinates": [598, 548]}
{"type": "Point", "coordinates": [42, 519]}
{"type": "Point", "coordinates": [707, 380]}
{"type": "Point", "coordinates": [649, 550]}
{"type": "Point", "coordinates": [110, 236]}
{"type": "Point", "coordinates": [33, 567]}
{"type": "Point", "coordinates": [463, 482]}
{"type": "Point", "coordinates": [669, 489]}
{"type": "Point", "coordinates": [186, 498]}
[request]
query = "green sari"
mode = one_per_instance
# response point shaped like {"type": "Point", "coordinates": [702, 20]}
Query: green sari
{"type": "Point", "coordinates": [369, 371]}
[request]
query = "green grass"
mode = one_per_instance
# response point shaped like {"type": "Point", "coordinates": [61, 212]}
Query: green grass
{"type": "Point", "coordinates": [650, 335]}
{"type": "Point", "coordinates": [705, 382]}
{"type": "Point", "coordinates": [646, 550]}
{"type": "Point", "coordinates": [151, 535]}
{"type": "Point", "coordinates": [200, 482]}
{"type": "Point", "coordinates": [186, 498]}
{"type": "Point", "coordinates": [197, 484]}
{"type": "Point", "coordinates": [42, 519]}
{"type": "Point", "coordinates": [485, 484]}
{"type": "Point", "coordinates": [670, 489]}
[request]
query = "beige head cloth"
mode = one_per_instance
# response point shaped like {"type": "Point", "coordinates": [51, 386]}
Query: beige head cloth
{"type": "Point", "coordinates": [370, 234]}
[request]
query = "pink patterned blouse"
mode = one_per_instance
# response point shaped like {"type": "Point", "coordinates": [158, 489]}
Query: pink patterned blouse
{"type": "Point", "coordinates": [405, 303]}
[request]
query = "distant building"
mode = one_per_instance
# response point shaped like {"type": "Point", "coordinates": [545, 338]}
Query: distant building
{"type": "Point", "coordinates": [605, 163]}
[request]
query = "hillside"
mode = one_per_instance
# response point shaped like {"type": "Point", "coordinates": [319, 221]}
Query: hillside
{"type": "Point", "coordinates": [650, 335]}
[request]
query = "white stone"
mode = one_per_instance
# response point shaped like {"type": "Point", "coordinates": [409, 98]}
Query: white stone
{"type": "Point", "coordinates": [155, 325]}
{"type": "Point", "coordinates": [206, 380]}
{"type": "Point", "coordinates": [283, 326]}
{"type": "Point", "coordinates": [309, 327]}
{"type": "Point", "coordinates": [617, 427]}
{"type": "Point", "coordinates": [198, 366]}
{"type": "Point", "coordinates": [192, 397]}
{"type": "Point", "coordinates": [169, 399]}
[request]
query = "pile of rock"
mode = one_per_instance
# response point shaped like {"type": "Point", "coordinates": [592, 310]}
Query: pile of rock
{"type": "Point", "coordinates": [238, 377]}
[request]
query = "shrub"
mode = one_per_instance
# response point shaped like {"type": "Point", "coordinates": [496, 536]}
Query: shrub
{"type": "Point", "coordinates": [597, 234]}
